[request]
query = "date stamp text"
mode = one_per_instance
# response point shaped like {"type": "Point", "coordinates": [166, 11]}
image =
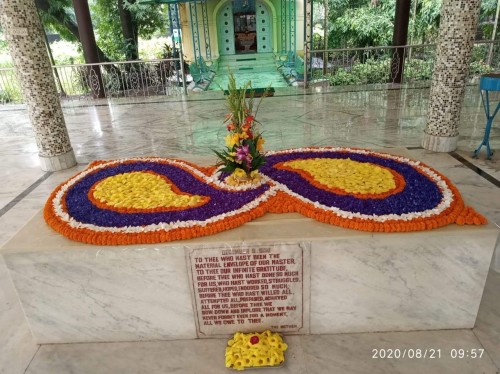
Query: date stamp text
{"type": "Point", "coordinates": [426, 353]}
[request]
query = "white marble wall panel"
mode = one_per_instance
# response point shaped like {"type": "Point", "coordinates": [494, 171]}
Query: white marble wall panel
{"type": "Point", "coordinates": [360, 282]}
{"type": "Point", "coordinates": [17, 346]}
{"type": "Point", "coordinates": [104, 294]}
{"type": "Point", "coordinates": [399, 282]}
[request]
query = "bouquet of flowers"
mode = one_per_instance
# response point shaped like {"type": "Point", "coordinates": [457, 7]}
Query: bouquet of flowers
{"type": "Point", "coordinates": [243, 155]}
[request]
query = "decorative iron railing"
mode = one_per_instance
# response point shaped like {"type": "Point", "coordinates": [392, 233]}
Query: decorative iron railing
{"type": "Point", "coordinates": [106, 80]}
{"type": "Point", "coordinates": [10, 90]}
{"type": "Point", "coordinates": [335, 67]}
{"type": "Point", "coordinates": [381, 64]}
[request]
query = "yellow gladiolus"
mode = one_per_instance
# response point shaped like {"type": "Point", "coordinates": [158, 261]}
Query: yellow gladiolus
{"type": "Point", "coordinates": [232, 140]}
{"type": "Point", "coordinates": [243, 135]}
{"type": "Point", "coordinates": [260, 144]}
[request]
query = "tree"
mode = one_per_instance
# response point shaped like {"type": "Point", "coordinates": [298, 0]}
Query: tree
{"type": "Point", "coordinates": [129, 30]}
{"type": "Point", "coordinates": [359, 23]}
{"type": "Point", "coordinates": [339, 7]}
{"type": "Point", "coordinates": [488, 12]}
{"type": "Point", "coordinates": [368, 24]}
{"type": "Point", "coordinates": [59, 15]}
{"type": "Point", "coordinates": [119, 23]}
{"type": "Point", "coordinates": [426, 22]}
{"type": "Point", "coordinates": [117, 38]}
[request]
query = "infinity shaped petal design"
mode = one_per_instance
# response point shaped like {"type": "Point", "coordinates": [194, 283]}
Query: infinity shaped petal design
{"type": "Point", "coordinates": [152, 200]}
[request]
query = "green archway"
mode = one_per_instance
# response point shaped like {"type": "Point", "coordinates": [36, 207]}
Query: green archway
{"type": "Point", "coordinates": [245, 32]}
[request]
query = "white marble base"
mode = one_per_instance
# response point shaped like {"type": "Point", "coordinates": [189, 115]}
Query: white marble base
{"type": "Point", "coordinates": [495, 263]}
{"type": "Point", "coordinates": [360, 282]}
{"type": "Point", "coordinates": [439, 143]}
{"type": "Point", "coordinates": [97, 294]}
{"type": "Point", "coordinates": [399, 282]}
{"type": "Point", "coordinates": [17, 346]}
{"type": "Point", "coordinates": [57, 163]}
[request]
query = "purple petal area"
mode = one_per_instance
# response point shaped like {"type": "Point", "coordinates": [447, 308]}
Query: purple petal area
{"type": "Point", "coordinates": [81, 209]}
{"type": "Point", "coordinates": [420, 192]}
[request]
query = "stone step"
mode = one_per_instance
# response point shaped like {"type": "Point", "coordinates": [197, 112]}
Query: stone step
{"type": "Point", "coordinates": [260, 68]}
{"type": "Point", "coordinates": [225, 69]}
{"type": "Point", "coordinates": [248, 56]}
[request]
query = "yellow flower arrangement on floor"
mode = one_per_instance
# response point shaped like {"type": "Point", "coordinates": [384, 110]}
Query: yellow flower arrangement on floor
{"type": "Point", "coordinates": [255, 350]}
{"type": "Point", "coordinates": [345, 174]}
{"type": "Point", "coordinates": [141, 191]}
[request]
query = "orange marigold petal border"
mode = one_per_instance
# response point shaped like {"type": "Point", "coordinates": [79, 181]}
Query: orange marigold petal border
{"type": "Point", "coordinates": [227, 207]}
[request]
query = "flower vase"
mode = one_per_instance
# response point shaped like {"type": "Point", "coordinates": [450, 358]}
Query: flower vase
{"type": "Point", "coordinates": [241, 180]}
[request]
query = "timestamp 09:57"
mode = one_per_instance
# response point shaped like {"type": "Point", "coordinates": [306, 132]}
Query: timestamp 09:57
{"type": "Point", "coordinates": [427, 353]}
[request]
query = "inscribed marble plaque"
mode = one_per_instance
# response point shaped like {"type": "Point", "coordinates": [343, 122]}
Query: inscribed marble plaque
{"type": "Point", "coordinates": [247, 288]}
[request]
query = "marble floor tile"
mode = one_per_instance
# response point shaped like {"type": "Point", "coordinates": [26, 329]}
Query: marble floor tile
{"type": "Point", "coordinates": [12, 221]}
{"type": "Point", "coordinates": [4, 201]}
{"type": "Point", "coordinates": [370, 117]}
{"type": "Point", "coordinates": [17, 346]}
{"type": "Point", "coordinates": [353, 353]}
{"type": "Point", "coordinates": [487, 327]}
{"type": "Point", "coordinates": [187, 357]}
{"type": "Point", "coordinates": [314, 354]}
{"type": "Point", "coordinates": [492, 167]}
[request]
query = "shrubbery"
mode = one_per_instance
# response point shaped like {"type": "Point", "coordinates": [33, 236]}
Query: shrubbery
{"type": "Point", "coordinates": [480, 67]}
{"type": "Point", "coordinates": [66, 53]}
{"type": "Point", "coordinates": [378, 71]}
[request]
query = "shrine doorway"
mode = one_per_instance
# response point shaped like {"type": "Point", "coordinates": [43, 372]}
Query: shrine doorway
{"type": "Point", "coordinates": [244, 26]}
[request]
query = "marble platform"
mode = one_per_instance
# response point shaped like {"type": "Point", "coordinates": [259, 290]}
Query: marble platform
{"type": "Point", "coordinates": [359, 282]}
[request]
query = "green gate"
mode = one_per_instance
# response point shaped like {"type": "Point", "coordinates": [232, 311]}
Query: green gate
{"type": "Point", "coordinates": [225, 28]}
{"type": "Point", "coordinates": [264, 32]}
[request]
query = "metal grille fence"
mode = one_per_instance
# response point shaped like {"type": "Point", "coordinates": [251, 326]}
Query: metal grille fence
{"type": "Point", "coordinates": [380, 64]}
{"type": "Point", "coordinates": [336, 67]}
{"type": "Point", "coordinates": [106, 80]}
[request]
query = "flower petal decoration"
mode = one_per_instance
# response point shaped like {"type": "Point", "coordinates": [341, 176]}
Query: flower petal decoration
{"type": "Point", "coordinates": [72, 209]}
{"type": "Point", "coordinates": [141, 191]}
{"type": "Point", "coordinates": [424, 200]}
{"type": "Point", "coordinates": [151, 200]}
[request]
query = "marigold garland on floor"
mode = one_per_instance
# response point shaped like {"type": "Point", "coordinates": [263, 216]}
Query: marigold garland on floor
{"type": "Point", "coordinates": [255, 350]}
{"type": "Point", "coordinates": [152, 200]}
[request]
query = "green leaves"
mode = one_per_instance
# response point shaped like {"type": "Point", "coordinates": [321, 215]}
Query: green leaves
{"type": "Point", "coordinates": [363, 26]}
{"type": "Point", "coordinates": [58, 15]}
{"type": "Point", "coordinates": [236, 101]}
{"type": "Point", "coordinates": [361, 23]}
